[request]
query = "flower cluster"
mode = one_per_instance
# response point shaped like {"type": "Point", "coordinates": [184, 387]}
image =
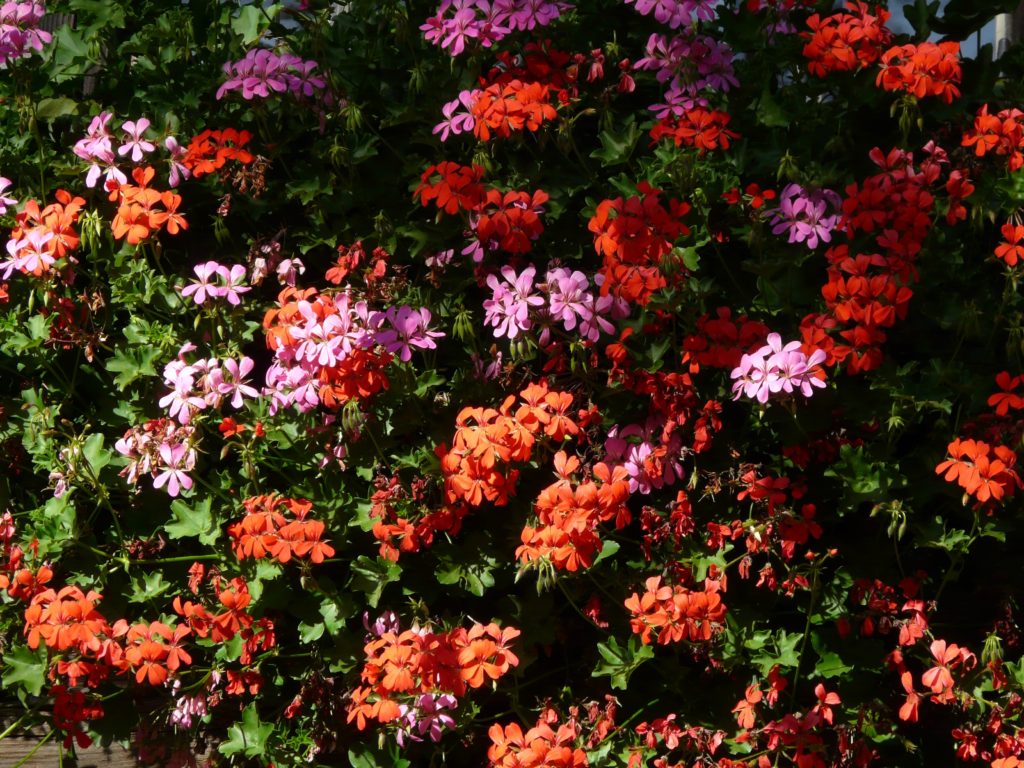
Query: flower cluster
{"type": "Point", "coordinates": [43, 238]}
{"type": "Point", "coordinates": [569, 513]}
{"type": "Point", "coordinates": [775, 369]}
{"type": "Point", "coordinates": [540, 747]}
{"type": "Point", "coordinates": [689, 65]}
{"type": "Point", "coordinates": [517, 305]}
{"type": "Point", "coordinates": [457, 22]}
{"type": "Point", "coordinates": [720, 341]}
{"type": "Point", "coordinates": [1001, 133]}
{"type": "Point", "coordinates": [204, 384]}
{"type": "Point", "coordinates": [703, 129]}
{"type": "Point", "coordinates": [925, 69]}
{"type": "Point", "coordinates": [411, 677]}
{"type": "Point", "coordinates": [676, 613]}
{"type": "Point", "coordinates": [806, 216]}
{"type": "Point", "coordinates": [871, 291]}
{"type": "Point", "coordinates": [984, 471]}
{"type": "Point", "coordinates": [217, 281]}
{"type": "Point", "coordinates": [633, 235]}
{"type": "Point", "coordinates": [20, 34]}
{"type": "Point", "coordinates": [844, 42]}
{"type": "Point", "coordinates": [138, 212]}
{"type": "Point", "coordinates": [262, 72]}
{"type": "Point", "coordinates": [266, 531]}
{"type": "Point", "coordinates": [160, 448]}
{"type": "Point", "coordinates": [676, 13]}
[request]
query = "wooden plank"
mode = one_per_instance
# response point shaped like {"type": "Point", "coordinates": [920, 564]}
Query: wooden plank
{"type": "Point", "coordinates": [13, 749]}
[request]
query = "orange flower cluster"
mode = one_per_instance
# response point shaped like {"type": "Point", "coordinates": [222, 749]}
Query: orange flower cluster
{"type": "Point", "coordinates": [1011, 250]}
{"type": "Point", "coordinates": [153, 651]}
{"type": "Point", "coordinates": [68, 623]}
{"type": "Point", "coordinates": [137, 213]}
{"type": "Point", "coordinates": [228, 619]}
{"type": "Point", "coordinates": [265, 530]}
{"type": "Point", "coordinates": [676, 613]}
{"type": "Point", "coordinates": [540, 747]}
{"type": "Point", "coordinates": [569, 516]}
{"type": "Point", "coordinates": [633, 235]}
{"type": "Point", "coordinates": [983, 471]}
{"type": "Point", "coordinates": [511, 220]}
{"type": "Point", "coordinates": [397, 526]}
{"type": "Point", "coordinates": [867, 293]}
{"type": "Point", "coordinates": [703, 129]}
{"type": "Point", "coordinates": [1002, 133]}
{"type": "Point", "coordinates": [358, 375]}
{"type": "Point", "coordinates": [844, 42]}
{"type": "Point", "coordinates": [210, 150]}
{"type": "Point", "coordinates": [925, 69]}
{"type": "Point", "coordinates": [502, 108]}
{"type": "Point", "coordinates": [402, 665]}
{"type": "Point", "coordinates": [488, 438]}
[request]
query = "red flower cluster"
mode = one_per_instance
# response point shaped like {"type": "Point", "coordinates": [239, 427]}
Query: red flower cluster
{"type": "Point", "coordinates": [633, 235]}
{"type": "Point", "coordinates": [703, 129]}
{"type": "Point", "coordinates": [844, 42]}
{"type": "Point", "coordinates": [540, 747]}
{"type": "Point", "coordinates": [401, 665]}
{"type": "Point", "coordinates": [265, 530]}
{"type": "Point", "coordinates": [676, 613]}
{"type": "Point", "coordinates": [137, 213]}
{"type": "Point", "coordinates": [982, 470]}
{"type": "Point", "coordinates": [567, 532]}
{"type": "Point", "coordinates": [867, 293]}
{"type": "Point", "coordinates": [1011, 250]}
{"type": "Point", "coordinates": [925, 69]}
{"type": "Point", "coordinates": [720, 341]}
{"type": "Point", "coordinates": [1007, 399]}
{"type": "Point", "coordinates": [451, 187]}
{"type": "Point", "coordinates": [1001, 133]}
{"type": "Point", "coordinates": [510, 221]}
{"type": "Point", "coordinates": [503, 108]}
{"type": "Point", "coordinates": [210, 150]}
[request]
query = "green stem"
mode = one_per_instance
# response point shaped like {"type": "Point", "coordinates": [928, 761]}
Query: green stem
{"type": "Point", "coordinates": [35, 749]}
{"type": "Point", "coordinates": [9, 729]}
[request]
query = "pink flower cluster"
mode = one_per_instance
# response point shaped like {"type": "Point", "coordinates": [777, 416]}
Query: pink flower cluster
{"type": "Point", "coordinates": [426, 717]}
{"type": "Point", "coordinates": [458, 115]}
{"type": "Point", "coordinates": [216, 281]}
{"type": "Point", "coordinates": [261, 72]}
{"type": "Point", "coordinates": [5, 201]}
{"type": "Point", "coordinates": [689, 63]}
{"type": "Point", "coordinates": [649, 454]}
{"type": "Point", "coordinates": [564, 298]}
{"type": "Point", "coordinates": [97, 149]}
{"type": "Point", "coordinates": [325, 337]}
{"type": "Point", "coordinates": [808, 216]}
{"type": "Point", "coordinates": [676, 13]}
{"type": "Point", "coordinates": [775, 369]}
{"type": "Point", "coordinates": [19, 30]}
{"type": "Point", "coordinates": [30, 254]}
{"type": "Point", "coordinates": [457, 22]}
{"type": "Point", "coordinates": [204, 384]}
{"type": "Point", "coordinates": [162, 449]}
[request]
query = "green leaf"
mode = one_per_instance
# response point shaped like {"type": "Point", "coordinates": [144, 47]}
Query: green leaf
{"type": "Point", "coordinates": [131, 364]}
{"type": "Point", "coordinates": [249, 738]}
{"type": "Point", "coordinates": [48, 109]}
{"type": "Point", "coordinates": [829, 664]}
{"type": "Point", "coordinates": [620, 662]}
{"type": "Point", "coordinates": [617, 148]}
{"type": "Point", "coordinates": [248, 23]}
{"type": "Point", "coordinates": [94, 452]}
{"type": "Point", "coordinates": [25, 668]}
{"type": "Point", "coordinates": [372, 576]}
{"type": "Point", "coordinates": [194, 521]}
